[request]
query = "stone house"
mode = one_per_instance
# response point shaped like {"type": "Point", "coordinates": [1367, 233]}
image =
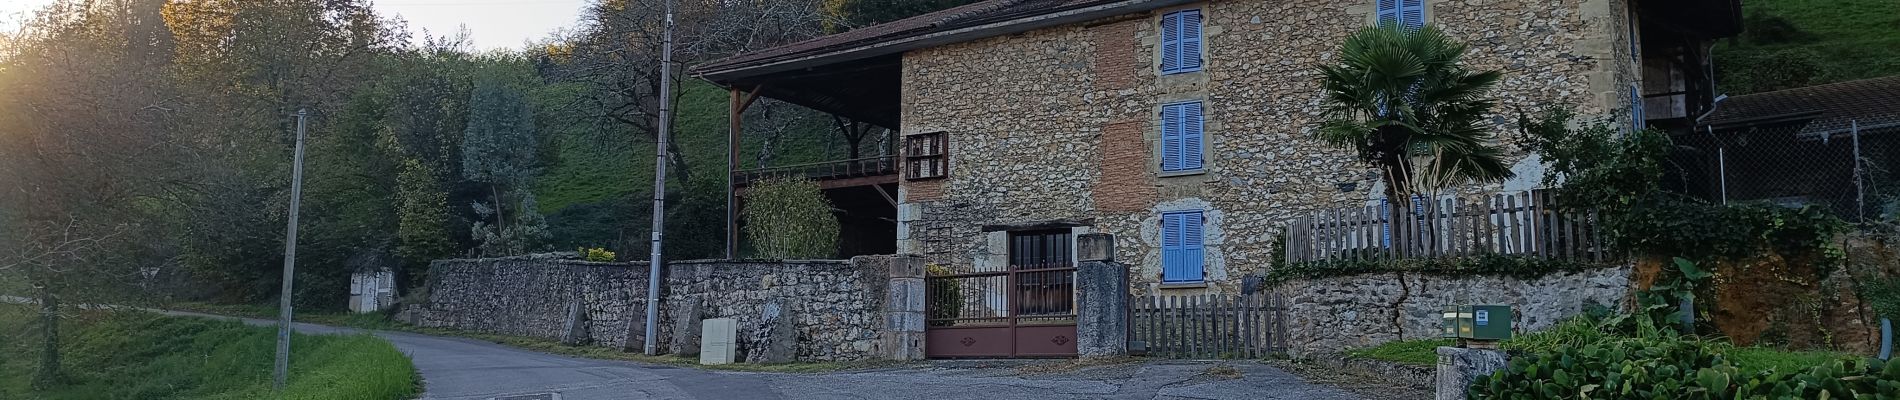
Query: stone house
{"type": "Point", "coordinates": [1183, 128]}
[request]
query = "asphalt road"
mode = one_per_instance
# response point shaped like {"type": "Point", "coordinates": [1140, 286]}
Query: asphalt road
{"type": "Point", "coordinates": [459, 368]}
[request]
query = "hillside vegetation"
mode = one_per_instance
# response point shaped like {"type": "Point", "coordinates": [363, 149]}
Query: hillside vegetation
{"type": "Point", "coordinates": [137, 355]}
{"type": "Point", "coordinates": [1795, 43]}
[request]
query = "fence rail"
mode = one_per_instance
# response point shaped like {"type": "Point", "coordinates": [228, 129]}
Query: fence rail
{"type": "Point", "coordinates": [839, 169]}
{"type": "Point", "coordinates": [1522, 223]}
{"type": "Point", "coordinates": [1210, 326]}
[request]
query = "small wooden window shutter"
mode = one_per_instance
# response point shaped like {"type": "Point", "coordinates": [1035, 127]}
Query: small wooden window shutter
{"type": "Point", "coordinates": [1388, 12]}
{"type": "Point", "coordinates": [1412, 13]}
{"type": "Point", "coordinates": [1172, 158]}
{"type": "Point", "coordinates": [1190, 40]}
{"type": "Point", "coordinates": [1191, 136]}
{"type": "Point", "coordinates": [1170, 42]}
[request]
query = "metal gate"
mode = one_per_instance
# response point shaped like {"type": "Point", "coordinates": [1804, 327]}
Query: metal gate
{"type": "Point", "coordinates": [1024, 309]}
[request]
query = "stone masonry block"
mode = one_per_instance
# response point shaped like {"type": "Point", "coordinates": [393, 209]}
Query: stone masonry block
{"type": "Point", "coordinates": [906, 295]}
{"type": "Point", "coordinates": [907, 267]}
{"type": "Point", "coordinates": [1095, 247]}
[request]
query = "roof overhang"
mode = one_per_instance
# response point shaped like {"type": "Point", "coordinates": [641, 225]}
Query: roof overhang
{"type": "Point", "coordinates": [926, 38]}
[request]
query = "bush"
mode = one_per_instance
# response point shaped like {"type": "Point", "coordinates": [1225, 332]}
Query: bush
{"type": "Point", "coordinates": [946, 297]}
{"type": "Point", "coordinates": [597, 254]}
{"type": "Point", "coordinates": [1576, 331]}
{"type": "Point", "coordinates": [1676, 369]}
{"type": "Point", "coordinates": [789, 218]}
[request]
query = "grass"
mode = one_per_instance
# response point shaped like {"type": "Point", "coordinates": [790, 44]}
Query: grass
{"type": "Point", "coordinates": [1848, 36]}
{"type": "Point", "coordinates": [379, 321]}
{"type": "Point", "coordinates": [1416, 352]}
{"type": "Point", "coordinates": [137, 355]}
{"type": "Point", "coordinates": [1753, 359]}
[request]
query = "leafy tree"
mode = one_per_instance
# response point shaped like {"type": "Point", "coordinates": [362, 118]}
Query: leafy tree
{"type": "Point", "coordinates": [790, 219]}
{"type": "Point", "coordinates": [1405, 103]}
{"type": "Point", "coordinates": [498, 149]}
{"type": "Point", "coordinates": [422, 209]}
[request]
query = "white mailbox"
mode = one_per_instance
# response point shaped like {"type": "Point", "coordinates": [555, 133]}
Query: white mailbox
{"type": "Point", "coordinates": [718, 341]}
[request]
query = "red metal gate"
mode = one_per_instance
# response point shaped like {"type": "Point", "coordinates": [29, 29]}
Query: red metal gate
{"type": "Point", "coordinates": [1026, 309]}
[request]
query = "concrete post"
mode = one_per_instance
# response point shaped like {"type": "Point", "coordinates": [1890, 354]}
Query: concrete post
{"type": "Point", "coordinates": [1102, 297]}
{"type": "Point", "coordinates": [903, 337]}
{"type": "Point", "coordinates": [1458, 366]}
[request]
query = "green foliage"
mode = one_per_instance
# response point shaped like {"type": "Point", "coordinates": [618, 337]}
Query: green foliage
{"type": "Point", "coordinates": [1884, 295]}
{"type": "Point", "coordinates": [1518, 266]}
{"type": "Point", "coordinates": [597, 254]}
{"type": "Point", "coordinates": [946, 297]}
{"type": "Point", "coordinates": [788, 218]}
{"type": "Point", "coordinates": [144, 356]}
{"type": "Point", "coordinates": [1574, 331]}
{"type": "Point", "coordinates": [1416, 352]}
{"type": "Point", "coordinates": [1398, 95]}
{"type": "Point", "coordinates": [1679, 369]}
{"type": "Point", "coordinates": [526, 232]}
{"type": "Point", "coordinates": [422, 213]}
{"type": "Point", "coordinates": [1661, 304]}
{"type": "Point", "coordinates": [1788, 43]}
{"type": "Point", "coordinates": [1757, 359]}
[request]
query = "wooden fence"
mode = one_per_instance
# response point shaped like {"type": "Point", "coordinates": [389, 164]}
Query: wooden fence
{"type": "Point", "coordinates": [1210, 326]}
{"type": "Point", "coordinates": [1522, 223]}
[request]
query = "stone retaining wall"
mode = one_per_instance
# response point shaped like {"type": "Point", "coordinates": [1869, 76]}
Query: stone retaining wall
{"type": "Point", "coordinates": [1334, 314]}
{"type": "Point", "coordinates": [838, 309]}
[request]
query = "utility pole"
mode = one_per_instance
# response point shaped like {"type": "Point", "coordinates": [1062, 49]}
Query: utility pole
{"type": "Point", "coordinates": [659, 180]}
{"type": "Point", "coordinates": [290, 259]}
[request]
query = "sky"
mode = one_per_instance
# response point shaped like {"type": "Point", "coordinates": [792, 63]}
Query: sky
{"type": "Point", "coordinates": [492, 24]}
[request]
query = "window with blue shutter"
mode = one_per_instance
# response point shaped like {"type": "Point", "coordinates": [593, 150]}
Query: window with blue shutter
{"type": "Point", "coordinates": [1182, 136]}
{"type": "Point", "coordinates": [1181, 42]}
{"type": "Point", "coordinates": [1409, 14]}
{"type": "Point", "coordinates": [1636, 108]}
{"type": "Point", "coordinates": [1182, 253]}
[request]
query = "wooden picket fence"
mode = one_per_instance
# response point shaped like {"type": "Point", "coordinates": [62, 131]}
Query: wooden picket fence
{"type": "Point", "coordinates": [1523, 223]}
{"type": "Point", "coordinates": [1210, 326]}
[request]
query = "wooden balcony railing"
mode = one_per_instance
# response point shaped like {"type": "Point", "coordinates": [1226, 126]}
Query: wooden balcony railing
{"type": "Point", "coordinates": [824, 171]}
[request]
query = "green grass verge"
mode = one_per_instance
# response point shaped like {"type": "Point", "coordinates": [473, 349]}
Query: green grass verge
{"type": "Point", "coordinates": [137, 355]}
{"type": "Point", "coordinates": [1416, 352]}
{"type": "Point", "coordinates": [379, 321]}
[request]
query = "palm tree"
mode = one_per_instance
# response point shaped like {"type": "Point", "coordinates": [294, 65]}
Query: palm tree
{"type": "Point", "coordinates": [1403, 100]}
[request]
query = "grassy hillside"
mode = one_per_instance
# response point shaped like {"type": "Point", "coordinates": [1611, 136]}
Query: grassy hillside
{"type": "Point", "coordinates": [145, 356]}
{"type": "Point", "coordinates": [1793, 43]}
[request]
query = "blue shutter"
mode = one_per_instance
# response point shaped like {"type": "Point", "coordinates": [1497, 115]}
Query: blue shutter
{"type": "Point", "coordinates": [1170, 42]}
{"type": "Point", "coordinates": [1190, 41]}
{"type": "Point", "coordinates": [1191, 124]}
{"type": "Point", "coordinates": [1388, 12]}
{"type": "Point", "coordinates": [1181, 247]}
{"type": "Point", "coordinates": [1171, 157]}
{"type": "Point", "coordinates": [1412, 13]}
{"type": "Point", "coordinates": [1636, 107]}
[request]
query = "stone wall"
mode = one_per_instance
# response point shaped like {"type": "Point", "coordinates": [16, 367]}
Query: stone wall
{"type": "Point", "coordinates": [838, 309]}
{"type": "Point", "coordinates": [1060, 124]}
{"type": "Point", "coordinates": [1334, 314]}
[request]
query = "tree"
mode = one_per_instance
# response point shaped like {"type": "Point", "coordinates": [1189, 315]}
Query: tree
{"type": "Point", "coordinates": [1403, 101]}
{"type": "Point", "coordinates": [498, 149]}
{"type": "Point", "coordinates": [788, 218]}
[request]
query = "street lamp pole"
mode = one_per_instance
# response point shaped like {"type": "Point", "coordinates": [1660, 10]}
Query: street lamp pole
{"type": "Point", "coordinates": [659, 181]}
{"type": "Point", "coordinates": [290, 259]}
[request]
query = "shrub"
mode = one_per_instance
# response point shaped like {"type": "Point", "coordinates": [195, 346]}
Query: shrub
{"type": "Point", "coordinates": [1677, 369]}
{"type": "Point", "coordinates": [597, 254]}
{"type": "Point", "coordinates": [790, 218]}
{"type": "Point", "coordinates": [945, 295]}
{"type": "Point", "coordinates": [1576, 331]}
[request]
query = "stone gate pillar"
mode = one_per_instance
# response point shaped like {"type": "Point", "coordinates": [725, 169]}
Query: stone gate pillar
{"type": "Point", "coordinates": [904, 310]}
{"type": "Point", "coordinates": [1102, 296]}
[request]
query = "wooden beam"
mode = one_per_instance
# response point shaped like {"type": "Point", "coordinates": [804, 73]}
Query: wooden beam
{"type": "Point", "coordinates": [887, 195]}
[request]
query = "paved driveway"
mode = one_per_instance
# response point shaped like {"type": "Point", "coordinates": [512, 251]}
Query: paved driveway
{"type": "Point", "coordinates": [459, 368]}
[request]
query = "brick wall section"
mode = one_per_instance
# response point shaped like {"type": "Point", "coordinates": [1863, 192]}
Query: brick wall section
{"type": "Point", "coordinates": [1115, 60]}
{"type": "Point", "coordinates": [1125, 185]}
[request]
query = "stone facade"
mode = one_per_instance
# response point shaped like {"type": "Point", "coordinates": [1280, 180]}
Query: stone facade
{"type": "Point", "coordinates": [1334, 314]}
{"type": "Point", "coordinates": [838, 309]}
{"type": "Point", "coordinates": [1060, 124]}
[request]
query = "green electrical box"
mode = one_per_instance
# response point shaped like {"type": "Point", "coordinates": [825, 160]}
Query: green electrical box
{"type": "Point", "coordinates": [1473, 322]}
